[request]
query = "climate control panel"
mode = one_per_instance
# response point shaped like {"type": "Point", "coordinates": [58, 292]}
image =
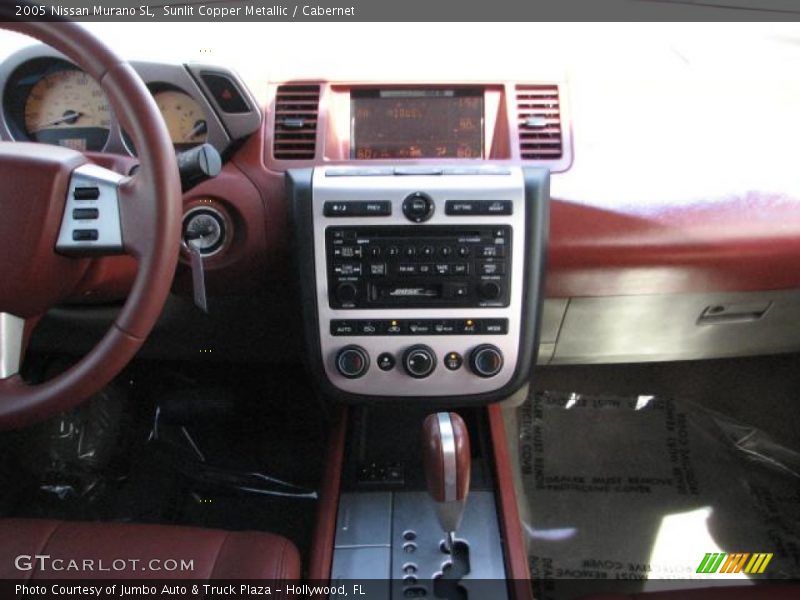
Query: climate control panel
{"type": "Point", "coordinates": [421, 283]}
{"type": "Point", "coordinates": [420, 361]}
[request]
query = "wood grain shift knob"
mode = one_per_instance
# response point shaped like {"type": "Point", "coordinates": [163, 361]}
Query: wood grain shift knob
{"type": "Point", "coordinates": [446, 456]}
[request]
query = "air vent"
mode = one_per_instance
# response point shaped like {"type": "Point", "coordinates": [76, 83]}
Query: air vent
{"type": "Point", "coordinates": [296, 112]}
{"type": "Point", "coordinates": [539, 122]}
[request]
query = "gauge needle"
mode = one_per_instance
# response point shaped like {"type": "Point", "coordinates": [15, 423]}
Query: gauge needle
{"type": "Point", "coordinates": [199, 127]}
{"type": "Point", "coordinates": [69, 117]}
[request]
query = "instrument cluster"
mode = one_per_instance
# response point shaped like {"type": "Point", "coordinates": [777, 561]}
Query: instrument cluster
{"type": "Point", "coordinates": [47, 99]}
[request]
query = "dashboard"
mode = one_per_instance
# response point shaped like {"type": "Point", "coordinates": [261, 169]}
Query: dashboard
{"type": "Point", "coordinates": [656, 250]}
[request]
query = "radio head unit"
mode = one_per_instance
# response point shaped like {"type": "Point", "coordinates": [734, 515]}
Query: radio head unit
{"type": "Point", "coordinates": [420, 283]}
{"type": "Point", "coordinates": [415, 267]}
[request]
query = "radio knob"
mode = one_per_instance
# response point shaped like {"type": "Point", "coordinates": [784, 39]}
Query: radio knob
{"type": "Point", "coordinates": [352, 362]}
{"type": "Point", "coordinates": [346, 292]}
{"type": "Point", "coordinates": [419, 361]}
{"type": "Point", "coordinates": [490, 290]}
{"type": "Point", "coordinates": [486, 360]}
{"type": "Point", "coordinates": [418, 207]}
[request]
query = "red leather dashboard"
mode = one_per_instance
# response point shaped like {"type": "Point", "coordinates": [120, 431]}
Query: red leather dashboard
{"type": "Point", "coordinates": [664, 193]}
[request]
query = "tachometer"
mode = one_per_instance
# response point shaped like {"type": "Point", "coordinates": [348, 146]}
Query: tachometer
{"type": "Point", "coordinates": [185, 118]}
{"type": "Point", "coordinates": [68, 108]}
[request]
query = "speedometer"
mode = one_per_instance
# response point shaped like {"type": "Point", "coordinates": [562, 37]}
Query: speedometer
{"type": "Point", "coordinates": [68, 108]}
{"type": "Point", "coordinates": [185, 118]}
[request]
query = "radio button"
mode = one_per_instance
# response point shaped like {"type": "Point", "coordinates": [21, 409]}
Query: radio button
{"type": "Point", "coordinates": [418, 207]}
{"type": "Point", "coordinates": [380, 208]}
{"type": "Point", "coordinates": [463, 251]}
{"type": "Point", "coordinates": [490, 290]}
{"type": "Point", "coordinates": [357, 208]}
{"type": "Point", "coordinates": [460, 290]}
{"type": "Point", "coordinates": [492, 268]}
{"type": "Point", "coordinates": [496, 207]}
{"type": "Point", "coordinates": [446, 250]}
{"type": "Point", "coordinates": [460, 207]}
{"type": "Point", "coordinates": [377, 269]}
{"type": "Point", "coordinates": [393, 251]}
{"type": "Point", "coordinates": [335, 209]}
{"type": "Point", "coordinates": [352, 362]}
{"type": "Point", "coordinates": [493, 251]}
{"type": "Point", "coordinates": [347, 269]}
{"type": "Point", "coordinates": [375, 251]}
{"type": "Point", "coordinates": [346, 292]}
{"type": "Point", "coordinates": [407, 269]}
{"type": "Point", "coordinates": [478, 207]}
{"type": "Point", "coordinates": [419, 361]}
{"type": "Point", "coordinates": [348, 251]}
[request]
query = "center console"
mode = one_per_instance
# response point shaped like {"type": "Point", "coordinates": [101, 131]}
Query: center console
{"type": "Point", "coordinates": [420, 282]}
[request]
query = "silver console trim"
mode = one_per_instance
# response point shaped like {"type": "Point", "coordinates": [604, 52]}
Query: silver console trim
{"type": "Point", "coordinates": [108, 223]}
{"type": "Point", "coordinates": [448, 456]}
{"type": "Point", "coordinates": [507, 185]}
{"type": "Point", "coordinates": [415, 545]}
{"type": "Point", "coordinates": [12, 330]}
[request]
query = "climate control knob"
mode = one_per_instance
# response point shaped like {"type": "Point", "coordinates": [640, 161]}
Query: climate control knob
{"type": "Point", "coordinates": [486, 360]}
{"type": "Point", "coordinates": [352, 362]}
{"type": "Point", "coordinates": [419, 361]}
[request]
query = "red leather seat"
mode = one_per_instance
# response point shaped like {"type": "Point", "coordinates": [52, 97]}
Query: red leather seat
{"type": "Point", "coordinates": [741, 592]}
{"type": "Point", "coordinates": [133, 551]}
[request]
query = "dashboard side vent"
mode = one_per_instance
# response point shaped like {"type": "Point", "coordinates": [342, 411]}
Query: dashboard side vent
{"type": "Point", "coordinates": [539, 122]}
{"type": "Point", "coordinates": [296, 113]}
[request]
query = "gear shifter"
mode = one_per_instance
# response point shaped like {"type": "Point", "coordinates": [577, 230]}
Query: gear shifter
{"type": "Point", "coordinates": [446, 456]}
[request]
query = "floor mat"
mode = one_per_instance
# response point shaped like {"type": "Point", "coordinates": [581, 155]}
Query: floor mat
{"type": "Point", "coordinates": [641, 493]}
{"type": "Point", "coordinates": [192, 445]}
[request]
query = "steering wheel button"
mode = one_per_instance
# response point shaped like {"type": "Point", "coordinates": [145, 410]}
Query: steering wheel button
{"type": "Point", "coordinates": [85, 235]}
{"type": "Point", "coordinates": [86, 193]}
{"type": "Point", "coordinates": [85, 214]}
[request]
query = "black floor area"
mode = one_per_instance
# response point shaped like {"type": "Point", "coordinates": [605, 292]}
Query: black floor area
{"type": "Point", "coordinates": [190, 444]}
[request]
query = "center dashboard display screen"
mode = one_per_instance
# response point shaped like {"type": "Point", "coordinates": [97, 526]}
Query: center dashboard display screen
{"type": "Point", "coordinates": [427, 123]}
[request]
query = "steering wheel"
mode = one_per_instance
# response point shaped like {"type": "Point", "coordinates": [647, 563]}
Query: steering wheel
{"type": "Point", "coordinates": [45, 246]}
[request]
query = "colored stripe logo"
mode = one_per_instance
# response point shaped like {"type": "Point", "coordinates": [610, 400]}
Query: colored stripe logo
{"type": "Point", "coordinates": [737, 562]}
